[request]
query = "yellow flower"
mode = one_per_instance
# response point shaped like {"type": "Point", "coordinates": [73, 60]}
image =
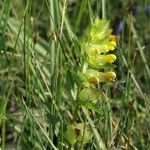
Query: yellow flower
{"type": "Point", "coordinates": [92, 76]}
{"type": "Point", "coordinates": [98, 42]}
{"type": "Point", "coordinates": [110, 76]}
{"type": "Point", "coordinates": [95, 77]}
{"type": "Point", "coordinates": [113, 38]}
{"type": "Point", "coordinates": [107, 76]}
{"type": "Point", "coordinates": [109, 58]}
{"type": "Point", "coordinates": [111, 46]}
{"type": "Point", "coordinates": [93, 50]}
{"type": "Point", "coordinates": [100, 60]}
{"type": "Point", "coordinates": [93, 80]}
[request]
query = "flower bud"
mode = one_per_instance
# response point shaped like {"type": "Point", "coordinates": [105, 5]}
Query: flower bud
{"type": "Point", "coordinates": [119, 27]}
{"type": "Point", "coordinates": [135, 9]}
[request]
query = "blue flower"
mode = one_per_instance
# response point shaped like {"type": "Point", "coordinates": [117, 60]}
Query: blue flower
{"type": "Point", "coordinates": [119, 27]}
{"type": "Point", "coordinates": [135, 9]}
{"type": "Point", "coordinates": [147, 10]}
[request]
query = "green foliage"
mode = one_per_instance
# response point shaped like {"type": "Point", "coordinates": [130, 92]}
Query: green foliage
{"type": "Point", "coordinates": [78, 132]}
{"type": "Point", "coordinates": [51, 97]}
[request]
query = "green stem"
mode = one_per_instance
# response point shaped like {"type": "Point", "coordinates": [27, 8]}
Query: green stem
{"type": "Point", "coordinates": [3, 133]}
{"type": "Point", "coordinates": [99, 142]}
{"type": "Point", "coordinates": [103, 9]}
{"type": "Point", "coordinates": [140, 50]}
{"type": "Point", "coordinates": [75, 112]}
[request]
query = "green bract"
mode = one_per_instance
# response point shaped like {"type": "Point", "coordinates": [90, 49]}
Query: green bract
{"type": "Point", "coordinates": [99, 32]}
{"type": "Point", "coordinates": [78, 132]}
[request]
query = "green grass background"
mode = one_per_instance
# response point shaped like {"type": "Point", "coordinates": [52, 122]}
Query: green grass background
{"type": "Point", "coordinates": [38, 49]}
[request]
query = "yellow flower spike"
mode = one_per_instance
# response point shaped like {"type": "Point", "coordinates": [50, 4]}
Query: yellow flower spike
{"type": "Point", "coordinates": [99, 40]}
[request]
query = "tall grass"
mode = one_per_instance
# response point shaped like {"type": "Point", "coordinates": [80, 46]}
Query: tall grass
{"type": "Point", "coordinates": [39, 48]}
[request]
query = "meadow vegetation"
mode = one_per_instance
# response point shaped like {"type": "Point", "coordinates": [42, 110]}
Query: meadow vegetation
{"type": "Point", "coordinates": [46, 102]}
